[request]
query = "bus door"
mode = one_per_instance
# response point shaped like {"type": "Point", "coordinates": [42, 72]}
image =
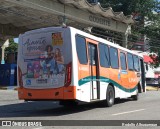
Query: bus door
{"type": "Point", "coordinates": [93, 70]}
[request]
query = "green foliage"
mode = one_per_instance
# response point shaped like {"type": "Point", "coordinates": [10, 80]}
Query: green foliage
{"type": "Point", "coordinates": [144, 9]}
{"type": "Point", "coordinates": [12, 47]}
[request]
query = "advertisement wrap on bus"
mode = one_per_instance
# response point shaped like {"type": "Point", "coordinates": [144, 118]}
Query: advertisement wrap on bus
{"type": "Point", "coordinates": [44, 60]}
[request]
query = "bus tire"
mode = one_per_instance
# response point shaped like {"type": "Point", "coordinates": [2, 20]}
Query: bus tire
{"type": "Point", "coordinates": [135, 97]}
{"type": "Point", "coordinates": [110, 96]}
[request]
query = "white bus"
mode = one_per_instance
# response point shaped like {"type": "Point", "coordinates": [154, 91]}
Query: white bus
{"type": "Point", "coordinates": [69, 65]}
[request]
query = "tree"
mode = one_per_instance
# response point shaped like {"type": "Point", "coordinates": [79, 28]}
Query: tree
{"type": "Point", "coordinates": [12, 46]}
{"type": "Point", "coordinates": [153, 33]}
{"type": "Point", "coordinates": [144, 7]}
{"type": "Point", "coordinates": [144, 11]}
{"type": "Point", "coordinates": [12, 49]}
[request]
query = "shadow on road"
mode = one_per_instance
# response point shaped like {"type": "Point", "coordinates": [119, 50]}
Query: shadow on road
{"type": "Point", "coordinates": [41, 108]}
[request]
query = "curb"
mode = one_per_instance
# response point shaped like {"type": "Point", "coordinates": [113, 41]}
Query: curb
{"type": "Point", "coordinates": [152, 88]}
{"type": "Point", "coordinates": [8, 88]}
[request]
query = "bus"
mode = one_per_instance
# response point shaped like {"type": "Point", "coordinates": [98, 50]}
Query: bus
{"type": "Point", "coordinates": [72, 66]}
{"type": "Point", "coordinates": [151, 73]}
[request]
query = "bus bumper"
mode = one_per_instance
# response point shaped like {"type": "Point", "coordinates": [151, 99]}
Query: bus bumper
{"type": "Point", "coordinates": [63, 93]}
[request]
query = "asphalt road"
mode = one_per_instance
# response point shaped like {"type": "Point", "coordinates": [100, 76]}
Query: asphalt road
{"type": "Point", "coordinates": [146, 108]}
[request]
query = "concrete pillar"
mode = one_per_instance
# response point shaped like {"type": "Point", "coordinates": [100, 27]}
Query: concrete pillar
{"type": "Point", "coordinates": [2, 60]}
{"type": "Point", "coordinates": [125, 37]}
{"type": "Point", "coordinates": [6, 44]}
{"type": "Point", "coordinates": [125, 41]}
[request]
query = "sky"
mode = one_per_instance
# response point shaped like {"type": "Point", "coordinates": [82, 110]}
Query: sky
{"type": "Point", "coordinates": [16, 40]}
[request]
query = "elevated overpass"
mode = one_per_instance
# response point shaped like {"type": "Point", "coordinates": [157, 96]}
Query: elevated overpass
{"type": "Point", "coordinates": [18, 16]}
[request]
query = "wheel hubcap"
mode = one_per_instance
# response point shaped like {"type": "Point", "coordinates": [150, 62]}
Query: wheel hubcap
{"type": "Point", "coordinates": [110, 96]}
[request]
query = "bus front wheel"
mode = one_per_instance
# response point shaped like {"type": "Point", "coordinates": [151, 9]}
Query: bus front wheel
{"type": "Point", "coordinates": [110, 96]}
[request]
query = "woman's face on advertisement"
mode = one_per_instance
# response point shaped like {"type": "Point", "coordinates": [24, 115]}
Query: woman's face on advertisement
{"type": "Point", "coordinates": [56, 52]}
{"type": "Point", "coordinates": [49, 49]}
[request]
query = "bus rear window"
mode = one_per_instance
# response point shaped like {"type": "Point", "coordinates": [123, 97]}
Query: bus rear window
{"type": "Point", "coordinates": [81, 49]}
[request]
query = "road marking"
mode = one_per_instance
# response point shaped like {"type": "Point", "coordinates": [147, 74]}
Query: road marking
{"type": "Point", "coordinates": [128, 112]}
{"type": "Point", "coordinates": [38, 128]}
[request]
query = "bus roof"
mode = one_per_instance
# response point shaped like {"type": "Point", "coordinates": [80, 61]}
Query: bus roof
{"type": "Point", "coordinates": [103, 41]}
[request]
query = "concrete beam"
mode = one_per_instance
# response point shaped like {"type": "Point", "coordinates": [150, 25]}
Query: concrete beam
{"type": "Point", "coordinates": [11, 30]}
{"type": "Point", "coordinates": [79, 15]}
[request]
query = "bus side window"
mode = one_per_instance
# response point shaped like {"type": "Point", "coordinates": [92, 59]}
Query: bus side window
{"type": "Point", "coordinates": [114, 57]}
{"type": "Point", "coordinates": [130, 61]}
{"type": "Point", "coordinates": [104, 55]}
{"type": "Point", "coordinates": [136, 63]}
{"type": "Point", "coordinates": [81, 49]}
{"type": "Point", "coordinates": [123, 61]}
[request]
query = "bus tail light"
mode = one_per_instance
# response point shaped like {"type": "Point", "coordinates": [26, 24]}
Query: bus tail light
{"type": "Point", "coordinates": [68, 74]}
{"type": "Point", "coordinates": [20, 77]}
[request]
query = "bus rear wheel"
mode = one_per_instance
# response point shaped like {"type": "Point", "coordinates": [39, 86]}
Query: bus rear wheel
{"type": "Point", "coordinates": [110, 96]}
